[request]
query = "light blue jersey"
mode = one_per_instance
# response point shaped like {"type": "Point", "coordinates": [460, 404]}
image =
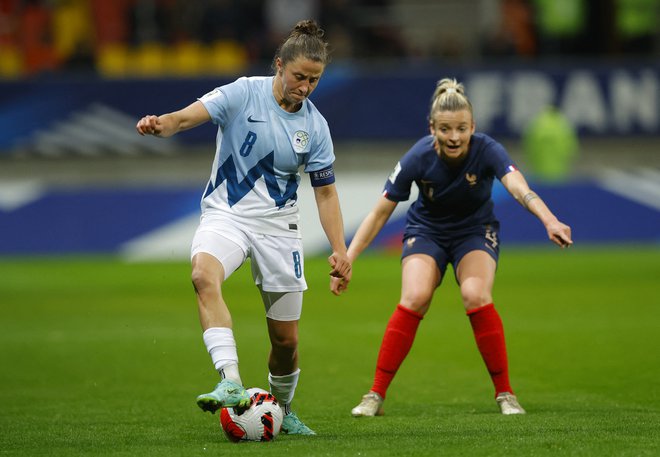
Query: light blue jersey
{"type": "Point", "coordinates": [259, 150]}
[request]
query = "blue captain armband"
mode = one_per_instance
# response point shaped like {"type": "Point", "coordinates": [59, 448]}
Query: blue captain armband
{"type": "Point", "coordinates": [322, 177]}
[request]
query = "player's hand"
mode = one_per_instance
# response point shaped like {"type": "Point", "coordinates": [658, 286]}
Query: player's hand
{"type": "Point", "coordinates": [149, 125]}
{"type": "Point", "coordinates": [338, 285]}
{"type": "Point", "coordinates": [560, 234]}
{"type": "Point", "coordinates": [340, 264]}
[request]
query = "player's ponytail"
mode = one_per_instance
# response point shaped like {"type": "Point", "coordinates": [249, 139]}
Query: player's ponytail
{"type": "Point", "coordinates": [307, 27]}
{"type": "Point", "coordinates": [449, 95]}
{"type": "Point", "coordinates": [305, 40]}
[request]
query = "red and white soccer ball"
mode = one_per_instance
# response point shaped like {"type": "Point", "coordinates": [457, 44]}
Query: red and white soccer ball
{"type": "Point", "coordinates": [262, 421]}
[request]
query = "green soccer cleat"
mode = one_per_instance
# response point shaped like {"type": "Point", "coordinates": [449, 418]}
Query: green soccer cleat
{"type": "Point", "coordinates": [291, 425]}
{"type": "Point", "coordinates": [226, 394]}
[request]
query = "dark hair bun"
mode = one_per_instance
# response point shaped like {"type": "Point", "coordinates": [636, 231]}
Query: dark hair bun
{"type": "Point", "coordinates": [308, 27]}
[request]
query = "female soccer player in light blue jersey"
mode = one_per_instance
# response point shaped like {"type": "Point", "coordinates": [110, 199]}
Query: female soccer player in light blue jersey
{"type": "Point", "coordinates": [452, 221]}
{"type": "Point", "coordinates": [267, 130]}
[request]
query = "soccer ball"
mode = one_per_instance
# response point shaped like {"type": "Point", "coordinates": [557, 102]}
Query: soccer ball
{"type": "Point", "coordinates": [261, 421]}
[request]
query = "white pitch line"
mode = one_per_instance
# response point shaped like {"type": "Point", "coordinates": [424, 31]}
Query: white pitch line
{"type": "Point", "coordinates": [643, 188]}
{"type": "Point", "coordinates": [15, 194]}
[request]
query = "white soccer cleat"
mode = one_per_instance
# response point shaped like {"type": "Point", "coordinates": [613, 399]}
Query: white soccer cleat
{"type": "Point", "coordinates": [508, 404]}
{"type": "Point", "coordinates": [371, 405]}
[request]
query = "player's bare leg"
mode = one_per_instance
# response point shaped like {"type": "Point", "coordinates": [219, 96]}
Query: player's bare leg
{"type": "Point", "coordinates": [207, 278]}
{"type": "Point", "coordinates": [214, 316]}
{"type": "Point", "coordinates": [284, 371]}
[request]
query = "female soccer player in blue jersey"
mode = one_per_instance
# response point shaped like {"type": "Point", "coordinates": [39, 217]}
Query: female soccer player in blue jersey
{"type": "Point", "coordinates": [451, 221]}
{"type": "Point", "coordinates": [267, 130]}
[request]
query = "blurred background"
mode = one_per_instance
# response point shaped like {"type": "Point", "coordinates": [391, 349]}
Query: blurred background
{"type": "Point", "coordinates": [570, 87]}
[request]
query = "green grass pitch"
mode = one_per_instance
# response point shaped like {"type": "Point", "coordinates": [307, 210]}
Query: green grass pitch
{"type": "Point", "coordinates": [101, 357]}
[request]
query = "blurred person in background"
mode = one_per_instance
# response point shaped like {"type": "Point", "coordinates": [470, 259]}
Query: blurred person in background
{"type": "Point", "coordinates": [279, 15]}
{"type": "Point", "coordinates": [510, 30]}
{"type": "Point", "coordinates": [452, 221]}
{"type": "Point", "coordinates": [340, 21]}
{"type": "Point", "coordinates": [36, 36]}
{"type": "Point", "coordinates": [380, 36]}
{"type": "Point", "coordinates": [551, 145]}
{"type": "Point", "coordinates": [636, 26]}
{"type": "Point", "coordinates": [561, 26]}
{"type": "Point", "coordinates": [267, 130]}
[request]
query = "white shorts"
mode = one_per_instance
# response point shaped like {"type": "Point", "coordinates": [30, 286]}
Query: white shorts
{"type": "Point", "coordinates": [277, 262]}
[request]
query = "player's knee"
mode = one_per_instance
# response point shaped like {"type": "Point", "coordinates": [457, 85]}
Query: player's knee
{"type": "Point", "coordinates": [473, 298]}
{"type": "Point", "coordinates": [285, 342]}
{"type": "Point", "coordinates": [417, 301]}
{"type": "Point", "coordinates": [202, 280]}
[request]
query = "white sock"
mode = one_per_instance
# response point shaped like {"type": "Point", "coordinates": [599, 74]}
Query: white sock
{"type": "Point", "coordinates": [221, 345]}
{"type": "Point", "coordinates": [231, 372]}
{"type": "Point", "coordinates": [283, 387]}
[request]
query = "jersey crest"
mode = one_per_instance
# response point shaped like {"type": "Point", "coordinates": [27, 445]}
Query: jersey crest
{"type": "Point", "coordinates": [395, 173]}
{"type": "Point", "coordinates": [300, 140]}
{"type": "Point", "coordinates": [427, 189]}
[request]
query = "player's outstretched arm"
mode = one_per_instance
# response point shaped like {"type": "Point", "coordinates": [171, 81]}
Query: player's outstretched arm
{"type": "Point", "coordinates": [171, 123]}
{"type": "Point", "coordinates": [327, 202]}
{"type": "Point", "coordinates": [558, 232]}
{"type": "Point", "coordinates": [369, 228]}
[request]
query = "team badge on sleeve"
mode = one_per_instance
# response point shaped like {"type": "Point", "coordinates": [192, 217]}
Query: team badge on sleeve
{"type": "Point", "coordinates": [210, 95]}
{"type": "Point", "coordinates": [395, 173]}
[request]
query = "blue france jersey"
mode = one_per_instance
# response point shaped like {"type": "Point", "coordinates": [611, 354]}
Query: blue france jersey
{"type": "Point", "coordinates": [259, 150]}
{"type": "Point", "coordinates": [451, 200]}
